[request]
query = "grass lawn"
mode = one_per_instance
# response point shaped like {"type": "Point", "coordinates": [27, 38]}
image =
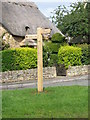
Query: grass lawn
{"type": "Point", "coordinates": [54, 102]}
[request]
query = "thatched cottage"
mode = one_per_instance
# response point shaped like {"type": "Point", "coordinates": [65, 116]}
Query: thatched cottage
{"type": "Point", "coordinates": [18, 19]}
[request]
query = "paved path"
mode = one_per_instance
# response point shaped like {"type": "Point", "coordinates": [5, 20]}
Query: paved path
{"type": "Point", "coordinates": [58, 81]}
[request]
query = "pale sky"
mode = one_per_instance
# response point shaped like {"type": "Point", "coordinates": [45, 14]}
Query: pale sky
{"type": "Point", "coordinates": [47, 6]}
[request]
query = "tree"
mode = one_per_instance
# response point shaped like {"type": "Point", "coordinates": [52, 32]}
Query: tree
{"type": "Point", "coordinates": [73, 21]}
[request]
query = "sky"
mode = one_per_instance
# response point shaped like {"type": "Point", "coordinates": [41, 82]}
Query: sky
{"type": "Point", "coordinates": [47, 6]}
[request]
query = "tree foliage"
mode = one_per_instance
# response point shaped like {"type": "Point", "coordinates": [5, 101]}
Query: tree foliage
{"type": "Point", "coordinates": [73, 21]}
{"type": "Point", "coordinates": [58, 38]}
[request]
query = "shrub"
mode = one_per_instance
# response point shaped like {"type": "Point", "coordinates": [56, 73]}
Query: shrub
{"type": "Point", "coordinates": [53, 47]}
{"type": "Point", "coordinates": [46, 55]}
{"type": "Point", "coordinates": [51, 60]}
{"type": "Point", "coordinates": [19, 59]}
{"type": "Point", "coordinates": [69, 56]}
{"type": "Point", "coordinates": [50, 51]}
{"type": "Point", "coordinates": [54, 59]}
{"type": "Point", "coordinates": [58, 38]}
{"type": "Point", "coordinates": [85, 53]}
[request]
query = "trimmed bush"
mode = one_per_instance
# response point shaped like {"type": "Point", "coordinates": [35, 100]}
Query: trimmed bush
{"type": "Point", "coordinates": [54, 59]}
{"type": "Point", "coordinates": [50, 60]}
{"type": "Point", "coordinates": [53, 47]}
{"type": "Point", "coordinates": [85, 53]}
{"type": "Point", "coordinates": [19, 59]}
{"type": "Point", "coordinates": [69, 56]}
{"type": "Point", "coordinates": [46, 55]}
{"type": "Point", "coordinates": [58, 38]}
{"type": "Point", "coordinates": [50, 51]}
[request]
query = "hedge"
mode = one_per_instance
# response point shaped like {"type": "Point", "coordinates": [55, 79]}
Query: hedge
{"type": "Point", "coordinates": [53, 47]}
{"type": "Point", "coordinates": [50, 61]}
{"type": "Point", "coordinates": [50, 51]}
{"type": "Point", "coordinates": [69, 56]}
{"type": "Point", "coordinates": [19, 59]}
{"type": "Point", "coordinates": [85, 53]}
{"type": "Point", "coordinates": [54, 59]}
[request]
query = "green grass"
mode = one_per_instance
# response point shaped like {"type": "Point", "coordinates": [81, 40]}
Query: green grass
{"type": "Point", "coordinates": [54, 102]}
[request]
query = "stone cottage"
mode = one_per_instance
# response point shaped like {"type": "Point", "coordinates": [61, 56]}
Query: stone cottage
{"type": "Point", "coordinates": [18, 19]}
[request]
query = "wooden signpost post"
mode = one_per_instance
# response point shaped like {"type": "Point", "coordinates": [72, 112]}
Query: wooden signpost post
{"type": "Point", "coordinates": [40, 59]}
{"type": "Point", "coordinates": [39, 36]}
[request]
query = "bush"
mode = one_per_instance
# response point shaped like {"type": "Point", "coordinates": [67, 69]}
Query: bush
{"type": "Point", "coordinates": [53, 47]}
{"type": "Point", "coordinates": [58, 38]}
{"type": "Point", "coordinates": [50, 51]}
{"type": "Point", "coordinates": [85, 53]}
{"type": "Point", "coordinates": [69, 56]}
{"type": "Point", "coordinates": [19, 59]}
{"type": "Point", "coordinates": [54, 59]}
{"type": "Point", "coordinates": [46, 55]}
{"type": "Point", "coordinates": [51, 60]}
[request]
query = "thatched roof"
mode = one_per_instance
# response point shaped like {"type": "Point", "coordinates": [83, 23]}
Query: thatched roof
{"type": "Point", "coordinates": [17, 16]}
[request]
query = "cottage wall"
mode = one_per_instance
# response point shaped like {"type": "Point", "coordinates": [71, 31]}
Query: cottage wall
{"type": "Point", "coordinates": [13, 41]}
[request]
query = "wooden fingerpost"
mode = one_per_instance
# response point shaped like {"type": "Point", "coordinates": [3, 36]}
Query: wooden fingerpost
{"type": "Point", "coordinates": [40, 60]}
{"type": "Point", "coordinates": [41, 34]}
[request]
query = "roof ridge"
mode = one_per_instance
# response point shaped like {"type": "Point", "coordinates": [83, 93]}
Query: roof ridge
{"type": "Point", "coordinates": [21, 2]}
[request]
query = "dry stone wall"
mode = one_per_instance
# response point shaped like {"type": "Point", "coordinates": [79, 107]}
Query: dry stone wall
{"type": "Point", "coordinates": [48, 72]}
{"type": "Point", "coordinates": [25, 75]}
{"type": "Point", "coordinates": [78, 70]}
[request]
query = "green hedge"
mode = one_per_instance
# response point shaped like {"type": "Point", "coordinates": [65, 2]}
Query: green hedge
{"type": "Point", "coordinates": [54, 59]}
{"type": "Point", "coordinates": [19, 59]}
{"type": "Point", "coordinates": [51, 60]}
{"type": "Point", "coordinates": [85, 53]}
{"type": "Point", "coordinates": [50, 51]}
{"type": "Point", "coordinates": [53, 47]}
{"type": "Point", "coordinates": [69, 56]}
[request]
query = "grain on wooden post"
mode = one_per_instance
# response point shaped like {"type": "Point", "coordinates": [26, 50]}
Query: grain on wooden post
{"type": "Point", "coordinates": [40, 60]}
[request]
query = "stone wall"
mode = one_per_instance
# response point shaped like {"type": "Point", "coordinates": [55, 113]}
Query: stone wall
{"type": "Point", "coordinates": [78, 70]}
{"type": "Point", "coordinates": [48, 72]}
{"type": "Point", "coordinates": [25, 75]}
